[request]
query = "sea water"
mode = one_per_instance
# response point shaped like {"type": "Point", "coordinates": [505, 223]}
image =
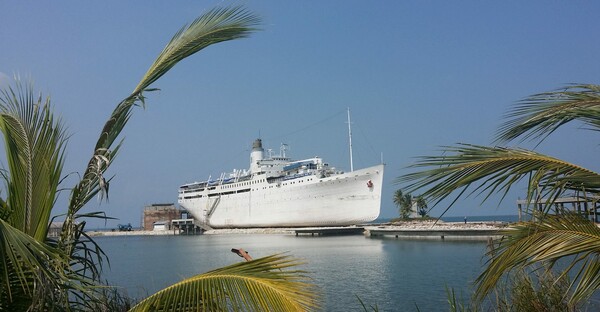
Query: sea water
{"type": "Point", "coordinates": [392, 274]}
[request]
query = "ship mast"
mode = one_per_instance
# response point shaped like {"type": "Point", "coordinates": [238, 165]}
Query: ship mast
{"type": "Point", "coordinates": [350, 140]}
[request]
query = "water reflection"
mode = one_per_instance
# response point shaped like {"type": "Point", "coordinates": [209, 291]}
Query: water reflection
{"type": "Point", "coordinates": [392, 274]}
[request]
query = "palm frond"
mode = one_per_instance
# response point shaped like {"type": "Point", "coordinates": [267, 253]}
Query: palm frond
{"type": "Point", "coordinates": [217, 25]}
{"type": "Point", "coordinates": [546, 241]}
{"type": "Point", "coordinates": [469, 169]}
{"type": "Point", "coordinates": [27, 265]}
{"type": "Point", "coordinates": [35, 144]}
{"type": "Point", "coordinates": [264, 284]}
{"type": "Point", "coordinates": [540, 115]}
{"type": "Point", "coordinates": [495, 169]}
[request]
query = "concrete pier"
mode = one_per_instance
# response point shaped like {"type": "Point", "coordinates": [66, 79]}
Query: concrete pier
{"type": "Point", "coordinates": [433, 229]}
{"type": "Point", "coordinates": [322, 231]}
{"type": "Point", "coordinates": [464, 234]}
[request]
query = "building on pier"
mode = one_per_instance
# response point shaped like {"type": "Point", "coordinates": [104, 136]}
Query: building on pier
{"type": "Point", "coordinates": [158, 214]}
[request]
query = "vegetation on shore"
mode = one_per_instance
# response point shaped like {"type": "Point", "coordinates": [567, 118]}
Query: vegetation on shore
{"type": "Point", "coordinates": [546, 239]}
{"type": "Point", "coordinates": [64, 274]}
{"type": "Point", "coordinates": [408, 204]}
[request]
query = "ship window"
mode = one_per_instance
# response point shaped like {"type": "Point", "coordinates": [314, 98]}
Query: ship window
{"type": "Point", "coordinates": [190, 197]}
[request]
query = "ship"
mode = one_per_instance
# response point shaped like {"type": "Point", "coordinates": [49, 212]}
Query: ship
{"type": "Point", "coordinates": [277, 191]}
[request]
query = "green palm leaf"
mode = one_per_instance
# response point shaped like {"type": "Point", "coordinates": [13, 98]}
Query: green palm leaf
{"type": "Point", "coordinates": [217, 25]}
{"type": "Point", "coordinates": [496, 169]}
{"type": "Point", "coordinates": [547, 241]}
{"type": "Point", "coordinates": [34, 275]}
{"type": "Point", "coordinates": [27, 267]}
{"type": "Point", "coordinates": [491, 170]}
{"type": "Point", "coordinates": [541, 114]}
{"type": "Point", "coordinates": [34, 144]}
{"type": "Point", "coordinates": [265, 284]}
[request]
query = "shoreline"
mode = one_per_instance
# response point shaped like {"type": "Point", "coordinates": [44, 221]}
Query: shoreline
{"type": "Point", "coordinates": [402, 226]}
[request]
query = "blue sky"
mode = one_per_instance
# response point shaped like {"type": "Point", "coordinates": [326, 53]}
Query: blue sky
{"type": "Point", "coordinates": [416, 75]}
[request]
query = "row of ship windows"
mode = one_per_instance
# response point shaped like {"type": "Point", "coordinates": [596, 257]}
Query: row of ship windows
{"type": "Point", "coordinates": [299, 181]}
{"type": "Point", "coordinates": [218, 194]}
{"type": "Point", "coordinates": [263, 180]}
{"type": "Point", "coordinates": [290, 183]}
{"type": "Point", "coordinates": [245, 190]}
{"type": "Point", "coordinates": [242, 184]}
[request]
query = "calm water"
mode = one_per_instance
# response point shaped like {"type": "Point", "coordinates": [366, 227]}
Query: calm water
{"type": "Point", "coordinates": [393, 274]}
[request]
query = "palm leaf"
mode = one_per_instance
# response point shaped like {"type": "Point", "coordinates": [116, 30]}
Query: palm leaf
{"type": "Point", "coordinates": [496, 169]}
{"type": "Point", "coordinates": [27, 266]}
{"type": "Point", "coordinates": [547, 241]}
{"type": "Point", "coordinates": [35, 274]}
{"type": "Point", "coordinates": [217, 25]}
{"type": "Point", "coordinates": [491, 170]}
{"type": "Point", "coordinates": [35, 144]}
{"type": "Point", "coordinates": [265, 284]}
{"type": "Point", "coordinates": [541, 114]}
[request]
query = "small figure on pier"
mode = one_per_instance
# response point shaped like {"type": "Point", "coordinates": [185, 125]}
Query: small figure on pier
{"type": "Point", "coordinates": [465, 220]}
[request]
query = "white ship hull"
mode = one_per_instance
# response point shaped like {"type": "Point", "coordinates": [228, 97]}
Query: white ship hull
{"type": "Point", "coordinates": [341, 199]}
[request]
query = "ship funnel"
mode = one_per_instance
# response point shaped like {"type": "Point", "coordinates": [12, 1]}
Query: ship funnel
{"type": "Point", "coordinates": [257, 145]}
{"type": "Point", "coordinates": [256, 156]}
